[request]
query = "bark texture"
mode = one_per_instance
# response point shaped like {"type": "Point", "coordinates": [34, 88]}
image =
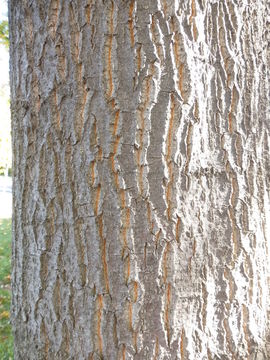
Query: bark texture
{"type": "Point", "coordinates": [141, 179]}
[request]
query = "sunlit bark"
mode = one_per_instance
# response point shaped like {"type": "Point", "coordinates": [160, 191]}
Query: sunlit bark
{"type": "Point", "coordinates": [141, 179]}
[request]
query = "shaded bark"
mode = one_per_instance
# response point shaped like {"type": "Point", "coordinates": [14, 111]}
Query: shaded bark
{"type": "Point", "coordinates": [141, 179]}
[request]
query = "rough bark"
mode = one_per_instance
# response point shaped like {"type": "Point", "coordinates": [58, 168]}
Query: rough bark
{"type": "Point", "coordinates": [141, 179]}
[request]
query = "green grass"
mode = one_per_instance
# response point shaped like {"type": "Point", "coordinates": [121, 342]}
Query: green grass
{"type": "Point", "coordinates": [6, 341]}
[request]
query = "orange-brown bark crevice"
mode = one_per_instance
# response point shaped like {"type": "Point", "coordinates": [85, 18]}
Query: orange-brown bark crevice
{"type": "Point", "coordinates": [135, 291]}
{"type": "Point", "coordinates": [180, 77]}
{"type": "Point", "coordinates": [92, 172]}
{"type": "Point", "coordinates": [130, 314]}
{"type": "Point", "coordinates": [46, 340]}
{"type": "Point", "coordinates": [128, 266]}
{"type": "Point", "coordinates": [183, 344]}
{"type": "Point", "coordinates": [97, 200]}
{"type": "Point", "coordinates": [103, 253]}
{"type": "Point", "coordinates": [193, 11]}
{"type": "Point", "coordinates": [88, 11]}
{"type": "Point", "coordinates": [195, 30]}
{"type": "Point", "coordinates": [75, 35]}
{"type": "Point", "coordinates": [116, 122]}
{"type": "Point", "coordinates": [156, 349]}
{"type": "Point", "coordinates": [157, 236]}
{"type": "Point", "coordinates": [124, 352]}
{"type": "Point", "coordinates": [139, 60]}
{"type": "Point", "coordinates": [177, 229]}
{"type": "Point", "coordinates": [192, 20]}
{"type": "Point", "coordinates": [165, 262]}
{"type": "Point", "coordinates": [130, 23]}
{"type": "Point", "coordinates": [196, 111]}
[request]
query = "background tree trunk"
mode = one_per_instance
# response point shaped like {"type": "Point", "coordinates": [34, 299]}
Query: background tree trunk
{"type": "Point", "coordinates": [141, 179]}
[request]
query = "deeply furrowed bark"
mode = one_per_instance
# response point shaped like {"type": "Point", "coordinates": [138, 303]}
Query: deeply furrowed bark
{"type": "Point", "coordinates": [141, 179]}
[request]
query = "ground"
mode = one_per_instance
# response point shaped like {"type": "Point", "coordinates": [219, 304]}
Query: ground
{"type": "Point", "coordinates": [6, 343]}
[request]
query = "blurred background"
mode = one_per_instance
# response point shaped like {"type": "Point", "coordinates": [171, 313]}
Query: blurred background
{"type": "Point", "coordinates": [6, 340]}
{"type": "Point", "coordinates": [5, 138]}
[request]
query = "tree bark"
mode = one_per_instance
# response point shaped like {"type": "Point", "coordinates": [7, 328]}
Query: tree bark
{"type": "Point", "coordinates": [141, 179]}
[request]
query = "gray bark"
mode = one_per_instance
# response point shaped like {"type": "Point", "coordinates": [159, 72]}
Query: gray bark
{"type": "Point", "coordinates": [141, 179]}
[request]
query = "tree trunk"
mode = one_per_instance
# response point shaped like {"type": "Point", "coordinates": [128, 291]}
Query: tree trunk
{"type": "Point", "coordinates": [141, 179]}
